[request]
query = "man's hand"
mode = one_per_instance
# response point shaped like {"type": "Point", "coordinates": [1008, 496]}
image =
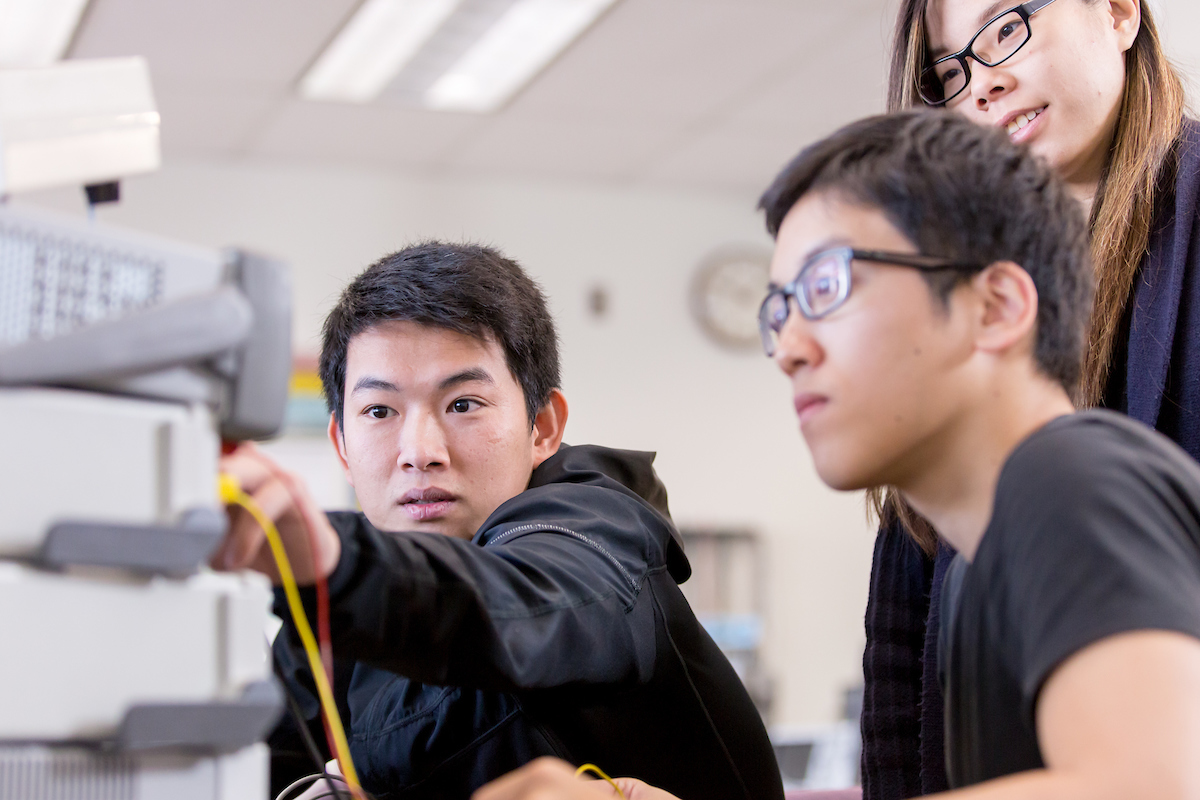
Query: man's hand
{"type": "Point", "coordinates": [286, 500]}
{"type": "Point", "coordinates": [551, 779]}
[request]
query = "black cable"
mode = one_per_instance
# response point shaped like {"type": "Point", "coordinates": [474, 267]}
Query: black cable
{"type": "Point", "coordinates": [310, 744]}
{"type": "Point", "coordinates": [314, 751]}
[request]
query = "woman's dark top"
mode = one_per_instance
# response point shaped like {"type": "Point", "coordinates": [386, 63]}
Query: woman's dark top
{"type": "Point", "coordinates": [1155, 380]}
{"type": "Point", "coordinates": [1095, 532]}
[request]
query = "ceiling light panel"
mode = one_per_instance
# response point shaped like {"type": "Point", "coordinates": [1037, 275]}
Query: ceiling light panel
{"type": "Point", "coordinates": [36, 33]}
{"type": "Point", "coordinates": [529, 35]}
{"type": "Point", "coordinates": [378, 41]}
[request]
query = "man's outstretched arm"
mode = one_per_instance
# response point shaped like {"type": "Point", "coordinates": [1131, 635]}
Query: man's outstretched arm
{"type": "Point", "coordinates": [541, 609]}
{"type": "Point", "coordinates": [535, 608]}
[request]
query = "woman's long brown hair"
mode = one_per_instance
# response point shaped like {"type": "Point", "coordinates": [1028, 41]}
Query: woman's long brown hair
{"type": "Point", "coordinates": [1138, 171]}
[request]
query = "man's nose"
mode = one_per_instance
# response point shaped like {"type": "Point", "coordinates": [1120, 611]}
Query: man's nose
{"type": "Point", "coordinates": [796, 346]}
{"type": "Point", "coordinates": [422, 442]}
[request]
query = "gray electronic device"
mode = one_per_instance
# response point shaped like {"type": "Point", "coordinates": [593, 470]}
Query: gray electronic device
{"type": "Point", "coordinates": [134, 671]}
{"type": "Point", "coordinates": [86, 307]}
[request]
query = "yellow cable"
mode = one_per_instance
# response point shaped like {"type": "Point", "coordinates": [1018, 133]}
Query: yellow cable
{"type": "Point", "coordinates": [231, 492]}
{"type": "Point", "coordinates": [597, 771]}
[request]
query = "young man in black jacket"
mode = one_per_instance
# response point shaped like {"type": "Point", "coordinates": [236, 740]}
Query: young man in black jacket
{"type": "Point", "coordinates": [502, 596]}
{"type": "Point", "coordinates": [930, 298]}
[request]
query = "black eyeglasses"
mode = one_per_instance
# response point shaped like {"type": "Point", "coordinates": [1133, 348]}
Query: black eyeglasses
{"type": "Point", "coordinates": [999, 41]}
{"type": "Point", "coordinates": [823, 284]}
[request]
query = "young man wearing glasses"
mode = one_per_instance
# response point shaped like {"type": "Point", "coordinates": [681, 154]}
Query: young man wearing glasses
{"type": "Point", "coordinates": [931, 294]}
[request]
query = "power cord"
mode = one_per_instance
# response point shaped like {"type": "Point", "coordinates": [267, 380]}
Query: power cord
{"type": "Point", "coordinates": [232, 494]}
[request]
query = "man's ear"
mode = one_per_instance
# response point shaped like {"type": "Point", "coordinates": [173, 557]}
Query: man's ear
{"type": "Point", "coordinates": [339, 444]}
{"type": "Point", "coordinates": [1008, 304]}
{"type": "Point", "coordinates": [1126, 20]}
{"type": "Point", "coordinates": [548, 427]}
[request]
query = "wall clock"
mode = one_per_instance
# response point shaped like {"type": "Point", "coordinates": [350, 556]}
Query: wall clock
{"type": "Point", "coordinates": [728, 287]}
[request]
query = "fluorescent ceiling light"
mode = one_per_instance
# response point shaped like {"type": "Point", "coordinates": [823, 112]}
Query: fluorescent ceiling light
{"type": "Point", "coordinates": [529, 35]}
{"type": "Point", "coordinates": [377, 42]}
{"type": "Point", "coordinates": [36, 33]}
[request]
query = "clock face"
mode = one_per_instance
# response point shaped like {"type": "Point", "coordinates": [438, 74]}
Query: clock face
{"type": "Point", "coordinates": [727, 291]}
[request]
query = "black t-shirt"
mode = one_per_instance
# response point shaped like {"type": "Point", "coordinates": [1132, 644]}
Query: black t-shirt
{"type": "Point", "coordinates": [1095, 532]}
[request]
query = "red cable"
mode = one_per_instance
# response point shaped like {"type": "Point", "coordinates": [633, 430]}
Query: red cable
{"type": "Point", "coordinates": [324, 635]}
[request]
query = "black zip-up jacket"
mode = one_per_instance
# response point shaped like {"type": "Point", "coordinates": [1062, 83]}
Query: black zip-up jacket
{"type": "Point", "coordinates": [559, 629]}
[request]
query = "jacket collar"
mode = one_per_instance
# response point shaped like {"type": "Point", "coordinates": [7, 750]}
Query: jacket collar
{"type": "Point", "coordinates": [628, 471]}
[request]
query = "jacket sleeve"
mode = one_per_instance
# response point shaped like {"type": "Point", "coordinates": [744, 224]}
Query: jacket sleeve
{"type": "Point", "coordinates": [550, 597]}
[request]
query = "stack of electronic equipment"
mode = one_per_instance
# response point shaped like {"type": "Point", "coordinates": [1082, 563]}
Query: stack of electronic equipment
{"type": "Point", "coordinates": [128, 669]}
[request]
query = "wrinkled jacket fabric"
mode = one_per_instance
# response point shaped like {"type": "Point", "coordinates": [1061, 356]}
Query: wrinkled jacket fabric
{"type": "Point", "coordinates": [559, 629]}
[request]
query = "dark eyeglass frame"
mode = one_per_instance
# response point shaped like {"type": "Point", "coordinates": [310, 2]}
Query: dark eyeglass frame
{"type": "Point", "coordinates": [1025, 10]}
{"type": "Point", "coordinates": [844, 255]}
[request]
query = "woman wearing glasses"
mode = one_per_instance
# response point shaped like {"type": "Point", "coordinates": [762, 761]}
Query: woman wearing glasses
{"type": "Point", "coordinates": [1084, 84]}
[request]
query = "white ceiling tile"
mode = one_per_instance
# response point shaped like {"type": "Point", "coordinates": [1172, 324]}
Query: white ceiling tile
{"type": "Point", "coordinates": [679, 60]}
{"type": "Point", "coordinates": [213, 42]}
{"type": "Point", "coordinates": [824, 86]}
{"type": "Point", "coordinates": [208, 122]}
{"type": "Point", "coordinates": [838, 81]}
{"type": "Point", "coordinates": [382, 135]}
{"type": "Point", "coordinates": [689, 92]}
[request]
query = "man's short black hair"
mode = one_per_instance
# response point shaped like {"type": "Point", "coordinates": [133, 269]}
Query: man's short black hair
{"type": "Point", "coordinates": [467, 288]}
{"type": "Point", "coordinates": [967, 193]}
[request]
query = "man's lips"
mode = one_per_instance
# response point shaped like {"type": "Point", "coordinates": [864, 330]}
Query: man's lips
{"type": "Point", "coordinates": [427, 504]}
{"type": "Point", "coordinates": [807, 404]}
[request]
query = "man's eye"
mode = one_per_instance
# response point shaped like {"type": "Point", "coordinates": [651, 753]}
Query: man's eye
{"type": "Point", "coordinates": [463, 405]}
{"type": "Point", "coordinates": [378, 412]}
{"type": "Point", "coordinates": [825, 286]}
